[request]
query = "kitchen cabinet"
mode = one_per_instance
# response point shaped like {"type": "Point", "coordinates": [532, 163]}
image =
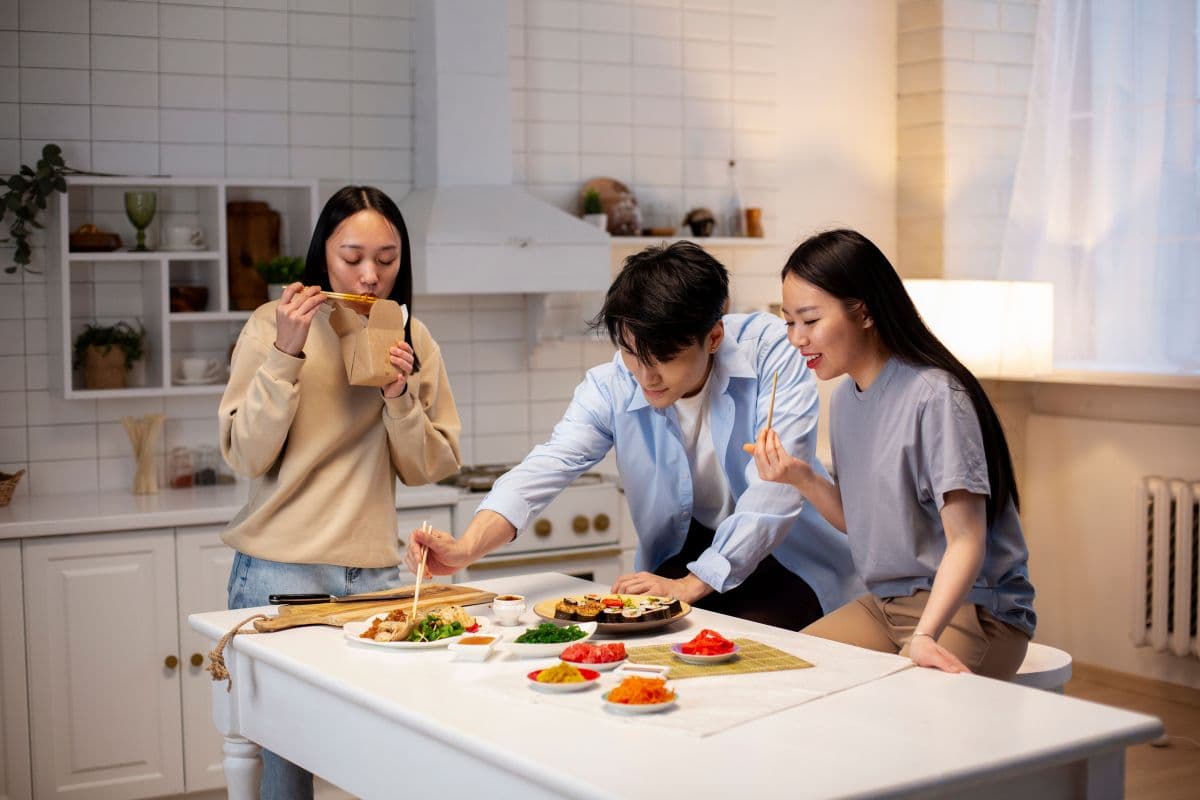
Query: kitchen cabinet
{"type": "Point", "coordinates": [102, 648]}
{"type": "Point", "coordinates": [14, 710]}
{"type": "Point", "coordinates": [202, 562]}
{"type": "Point", "coordinates": [105, 287]}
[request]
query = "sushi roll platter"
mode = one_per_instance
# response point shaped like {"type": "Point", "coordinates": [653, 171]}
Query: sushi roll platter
{"type": "Point", "coordinates": [615, 613]}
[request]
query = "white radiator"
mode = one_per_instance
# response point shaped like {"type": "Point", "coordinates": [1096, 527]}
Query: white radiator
{"type": "Point", "coordinates": [1167, 528]}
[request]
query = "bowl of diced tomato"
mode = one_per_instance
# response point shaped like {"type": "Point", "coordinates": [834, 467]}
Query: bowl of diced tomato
{"type": "Point", "coordinates": [708, 647]}
{"type": "Point", "coordinates": [601, 656]}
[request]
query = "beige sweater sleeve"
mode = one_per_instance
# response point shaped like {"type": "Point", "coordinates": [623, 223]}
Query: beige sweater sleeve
{"type": "Point", "coordinates": [423, 425]}
{"type": "Point", "coordinates": [260, 400]}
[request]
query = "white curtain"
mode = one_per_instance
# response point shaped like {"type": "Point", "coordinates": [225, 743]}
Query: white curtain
{"type": "Point", "coordinates": [1105, 200]}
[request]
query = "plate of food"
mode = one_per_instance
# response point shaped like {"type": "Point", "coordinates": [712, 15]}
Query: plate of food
{"type": "Point", "coordinates": [547, 639]}
{"type": "Point", "coordinates": [615, 613]}
{"type": "Point", "coordinates": [707, 647]}
{"type": "Point", "coordinates": [638, 695]}
{"type": "Point", "coordinates": [397, 630]}
{"type": "Point", "coordinates": [562, 677]}
{"type": "Point", "coordinates": [600, 656]}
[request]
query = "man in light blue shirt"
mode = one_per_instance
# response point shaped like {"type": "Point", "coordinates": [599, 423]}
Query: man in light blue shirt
{"type": "Point", "coordinates": [687, 388]}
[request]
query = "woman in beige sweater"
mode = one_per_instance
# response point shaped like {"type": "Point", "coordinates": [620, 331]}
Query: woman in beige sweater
{"type": "Point", "coordinates": [322, 455]}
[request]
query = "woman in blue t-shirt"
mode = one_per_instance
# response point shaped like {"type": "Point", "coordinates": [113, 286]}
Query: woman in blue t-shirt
{"type": "Point", "coordinates": [924, 483]}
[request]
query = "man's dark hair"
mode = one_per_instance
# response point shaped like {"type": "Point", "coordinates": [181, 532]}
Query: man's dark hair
{"type": "Point", "coordinates": [664, 300]}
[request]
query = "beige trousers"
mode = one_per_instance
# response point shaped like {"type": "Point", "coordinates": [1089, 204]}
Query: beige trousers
{"type": "Point", "coordinates": [986, 645]}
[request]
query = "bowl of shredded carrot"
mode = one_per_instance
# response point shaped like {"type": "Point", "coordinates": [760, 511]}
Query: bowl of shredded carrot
{"type": "Point", "coordinates": [638, 695]}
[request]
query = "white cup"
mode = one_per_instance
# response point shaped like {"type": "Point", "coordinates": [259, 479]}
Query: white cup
{"type": "Point", "coordinates": [185, 237]}
{"type": "Point", "coordinates": [198, 369]}
{"type": "Point", "coordinates": [508, 608]}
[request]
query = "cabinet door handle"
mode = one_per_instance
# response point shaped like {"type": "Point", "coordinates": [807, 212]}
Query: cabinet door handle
{"type": "Point", "coordinates": [197, 659]}
{"type": "Point", "coordinates": [580, 524]}
{"type": "Point", "coordinates": [171, 662]}
{"type": "Point", "coordinates": [542, 527]}
{"type": "Point", "coordinates": [601, 522]}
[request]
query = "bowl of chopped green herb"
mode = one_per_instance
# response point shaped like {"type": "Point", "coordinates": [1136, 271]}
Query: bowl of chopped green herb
{"type": "Point", "coordinates": [547, 640]}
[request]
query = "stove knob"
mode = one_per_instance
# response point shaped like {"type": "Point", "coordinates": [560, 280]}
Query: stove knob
{"type": "Point", "coordinates": [542, 527]}
{"type": "Point", "coordinates": [579, 524]}
{"type": "Point", "coordinates": [601, 522]}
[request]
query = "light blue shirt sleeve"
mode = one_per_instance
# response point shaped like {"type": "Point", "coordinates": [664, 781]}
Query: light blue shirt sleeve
{"type": "Point", "coordinates": [580, 440]}
{"type": "Point", "coordinates": [765, 512]}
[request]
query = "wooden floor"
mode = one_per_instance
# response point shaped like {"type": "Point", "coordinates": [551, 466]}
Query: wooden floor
{"type": "Point", "coordinates": [1152, 773]}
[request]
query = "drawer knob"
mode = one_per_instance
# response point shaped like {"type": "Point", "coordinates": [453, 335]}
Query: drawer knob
{"type": "Point", "coordinates": [197, 659]}
{"type": "Point", "coordinates": [542, 527]}
{"type": "Point", "coordinates": [601, 522]}
{"type": "Point", "coordinates": [580, 524]}
{"type": "Point", "coordinates": [171, 662]}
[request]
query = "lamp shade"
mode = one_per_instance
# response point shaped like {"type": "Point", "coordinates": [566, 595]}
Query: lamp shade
{"type": "Point", "coordinates": [998, 329]}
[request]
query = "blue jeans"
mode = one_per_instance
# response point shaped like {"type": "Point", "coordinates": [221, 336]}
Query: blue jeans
{"type": "Point", "coordinates": [251, 580]}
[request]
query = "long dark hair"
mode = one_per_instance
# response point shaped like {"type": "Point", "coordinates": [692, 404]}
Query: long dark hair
{"type": "Point", "coordinates": [665, 299]}
{"type": "Point", "coordinates": [345, 203]}
{"type": "Point", "coordinates": [850, 267]}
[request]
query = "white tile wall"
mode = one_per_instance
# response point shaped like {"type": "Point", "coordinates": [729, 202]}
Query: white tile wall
{"type": "Point", "coordinates": [639, 90]}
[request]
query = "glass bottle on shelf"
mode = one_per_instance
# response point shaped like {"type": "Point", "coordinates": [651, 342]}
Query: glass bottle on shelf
{"type": "Point", "coordinates": [204, 466]}
{"type": "Point", "coordinates": [179, 467]}
{"type": "Point", "coordinates": [733, 222]}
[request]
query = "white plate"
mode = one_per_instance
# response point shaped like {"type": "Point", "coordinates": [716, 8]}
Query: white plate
{"type": "Point", "coordinates": [590, 677]}
{"type": "Point", "coordinates": [523, 650]}
{"type": "Point", "coordinates": [352, 631]}
{"type": "Point", "coordinates": [696, 658]}
{"type": "Point", "coordinates": [199, 381]}
{"type": "Point", "coordinates": [641, 708]}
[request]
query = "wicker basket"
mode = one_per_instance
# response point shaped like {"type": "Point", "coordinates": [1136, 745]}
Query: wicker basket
{"type": "Point", "coordinates": [8, 483]}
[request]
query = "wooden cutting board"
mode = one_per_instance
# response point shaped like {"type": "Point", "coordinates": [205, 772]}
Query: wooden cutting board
{"type": "Point", "coordinates": [338, 614]}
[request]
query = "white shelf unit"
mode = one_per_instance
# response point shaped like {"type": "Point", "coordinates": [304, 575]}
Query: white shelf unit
{"type": "Point", "coordinates": [105, 288]}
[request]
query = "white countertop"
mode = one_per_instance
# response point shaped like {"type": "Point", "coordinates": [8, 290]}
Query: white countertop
{"type": "Point", "coordinates": [98, 512]}
{"type": "Point", "coordinates": [913, 731]}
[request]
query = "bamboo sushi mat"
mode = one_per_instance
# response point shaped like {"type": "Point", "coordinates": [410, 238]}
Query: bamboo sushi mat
{"type": "Point", "coordinates": [752, 656]}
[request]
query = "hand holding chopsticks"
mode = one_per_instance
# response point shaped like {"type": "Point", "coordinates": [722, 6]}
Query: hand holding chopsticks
{"type": "Point", "coordinates": [749, 447]}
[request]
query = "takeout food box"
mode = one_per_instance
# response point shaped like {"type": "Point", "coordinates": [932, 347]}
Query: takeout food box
{"type": "Point", "coordinates": [365, 346]}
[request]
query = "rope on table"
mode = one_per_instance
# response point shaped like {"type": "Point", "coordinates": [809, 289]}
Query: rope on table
{"type": "Point", "coordinates": [216, 656]}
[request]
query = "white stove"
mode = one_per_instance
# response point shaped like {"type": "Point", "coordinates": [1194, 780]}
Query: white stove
{"type": "Point", "coordinates": [578, 534]}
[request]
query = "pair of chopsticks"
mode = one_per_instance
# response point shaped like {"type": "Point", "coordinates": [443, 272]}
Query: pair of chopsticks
{"type": "Point", "coordinates": [749, 448]}
{"type": "Point", "coordinates": [425, 528]}
{"type": "Point", "coordinates": [353, 298]}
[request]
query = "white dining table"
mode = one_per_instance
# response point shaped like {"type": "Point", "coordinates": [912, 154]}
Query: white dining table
{"type": "Point", "coordinates": [385, 723]}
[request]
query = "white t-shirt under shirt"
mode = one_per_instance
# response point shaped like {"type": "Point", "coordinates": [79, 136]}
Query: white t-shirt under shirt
{"type": "Point", "coordinates": [712, 499]}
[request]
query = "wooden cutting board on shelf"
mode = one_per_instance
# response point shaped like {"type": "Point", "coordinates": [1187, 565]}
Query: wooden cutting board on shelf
{"type": "Point", "coordinates": [338, 614]}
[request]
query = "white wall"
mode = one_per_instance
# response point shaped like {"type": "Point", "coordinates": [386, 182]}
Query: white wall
{"type": "Point", "coordinates": [656, 93]}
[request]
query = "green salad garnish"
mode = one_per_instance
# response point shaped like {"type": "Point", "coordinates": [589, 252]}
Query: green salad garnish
{"type": "Point", "coordinates": [432, 628]}
{"type": "Point", "coordinates": [549, 633]}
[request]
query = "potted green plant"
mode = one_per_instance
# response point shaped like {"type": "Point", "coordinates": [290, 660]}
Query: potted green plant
{"type": "Point", "coordinates": [279, 272]}
{"type": "Point", "coordinates": [593, 210]}
{"type": "Point", "coordinates": [106, 352]}
{"type": "Point", "coordinates": [28, 192]}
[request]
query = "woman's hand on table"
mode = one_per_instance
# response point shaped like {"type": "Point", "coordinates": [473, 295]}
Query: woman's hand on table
{"type": "Point", "coordinates": [776, 464]}
{"type": "Point", "coordinates": [926, 652]}
{"type": "Point", "coordinates": [294, 315]}
{"type": "Point", "coordinates": [447, 555]}
{"type": "Point", "coordinates": [400, 354]}
{"type": "Point", "coordinates": [688, 589]}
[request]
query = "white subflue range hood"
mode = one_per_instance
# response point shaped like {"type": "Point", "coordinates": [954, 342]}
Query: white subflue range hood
{"type": "Point", "coordinates": [471, 230]}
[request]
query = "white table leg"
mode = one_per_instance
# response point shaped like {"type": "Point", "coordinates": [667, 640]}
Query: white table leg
{"type": "Point", "coordinates": [1106, 776]}
{"type": "Point", "coordinates": [243, 768]}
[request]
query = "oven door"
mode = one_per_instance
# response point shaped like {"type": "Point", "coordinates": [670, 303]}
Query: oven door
{"type": "Point", "coordinates": [602, 565]}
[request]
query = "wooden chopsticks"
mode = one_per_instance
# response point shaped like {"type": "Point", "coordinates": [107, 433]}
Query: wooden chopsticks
{"type": "Point", "coordinates": [353, 298]}
{"type": "Point", "coordinates": [425, 528]}
{"type": "Point", "coordinates": [749, 448]}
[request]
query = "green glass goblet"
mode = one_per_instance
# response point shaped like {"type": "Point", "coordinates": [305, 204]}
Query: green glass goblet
{"type": "Point", "coordinates": [139, 207]}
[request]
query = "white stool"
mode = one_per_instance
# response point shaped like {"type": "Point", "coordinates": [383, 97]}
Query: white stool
{"type": "Point", "coordinates": [1044, 667]}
